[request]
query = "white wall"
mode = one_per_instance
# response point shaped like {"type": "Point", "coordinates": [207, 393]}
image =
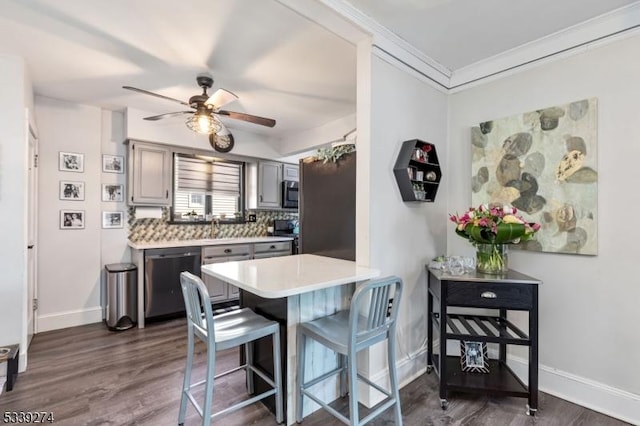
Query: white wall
{"type": "Point", "coordinates": [395, 236]}
{"type": "Point", "coordinates": [318, 136]}
{"type": "Point", "coordinates": [589, 340]}
{"type": "Point", "coordinates": [113, 241]}
{"type": "Point", "coordinates": [14, 98]}
{"type": "Point", "coordinates": [70, 267]}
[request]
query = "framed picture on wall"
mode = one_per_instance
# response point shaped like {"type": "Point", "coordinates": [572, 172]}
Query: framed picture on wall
{"type": "Point", "coordinates": [71, 162]}
{"type": "Point", "coordinates": [113, 164]}
{"type": "Point", "coordinates": [70, 190]}
{"type": "Point", "coordinates": [112, 192]}
{"type": "Point", "coordinates": [112, 220]}
{"type": "Point", "coordinates": [72, 219]}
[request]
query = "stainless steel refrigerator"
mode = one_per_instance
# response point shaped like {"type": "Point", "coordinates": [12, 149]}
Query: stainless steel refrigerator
{"type": "Point", "coordinates": [327, 206]}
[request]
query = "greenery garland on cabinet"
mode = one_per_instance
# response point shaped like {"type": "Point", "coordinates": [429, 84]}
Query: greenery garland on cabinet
{"type": "Point", "coordinates": [334, 153]}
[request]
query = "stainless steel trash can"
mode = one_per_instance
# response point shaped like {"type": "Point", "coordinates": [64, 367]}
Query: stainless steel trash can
{"type": "Point", "coordinates": [122, 295]}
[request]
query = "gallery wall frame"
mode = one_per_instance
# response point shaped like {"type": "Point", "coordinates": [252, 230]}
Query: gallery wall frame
{"type": "Point", "coordinates": [112, 192]}
{"type": "Point", "coordinates": [71, 190]}
{"type": "Point", "coordinates": [112, 163]}
{"type": "Point", "coordinates": [72, 219]}
{"type": "Point", "coordinates": [71, 162]}
{"type": "Point", "coordinates": [111, 220]}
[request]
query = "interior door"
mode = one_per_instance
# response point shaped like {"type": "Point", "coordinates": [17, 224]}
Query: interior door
{"type": "Point", "coordinates": [32, 233]}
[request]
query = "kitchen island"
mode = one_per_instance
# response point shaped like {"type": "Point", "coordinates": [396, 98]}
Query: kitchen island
{"type": "Point", "coordinates": [291, 290]}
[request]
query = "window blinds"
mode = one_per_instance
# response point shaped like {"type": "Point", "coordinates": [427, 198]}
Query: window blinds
{"type": "Point", "coordinates": [208, 176]}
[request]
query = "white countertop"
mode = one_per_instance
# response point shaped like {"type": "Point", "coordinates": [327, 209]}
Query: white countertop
{"type": "Point", "coordinates": [143, 245]}
{"type": "Point", "coordinates": [289, 275]}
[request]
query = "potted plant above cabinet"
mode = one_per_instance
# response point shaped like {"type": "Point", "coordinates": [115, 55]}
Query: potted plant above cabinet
{"type": "Point", "coordinates": [417, 171]}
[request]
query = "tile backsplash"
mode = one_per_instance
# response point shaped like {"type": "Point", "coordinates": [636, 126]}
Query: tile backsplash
{"type": "Point", "coordinates": [147, 230]}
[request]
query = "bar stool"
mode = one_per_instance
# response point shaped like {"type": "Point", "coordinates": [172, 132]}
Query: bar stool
{"type": "Point", "coordinates": [219, 333]}
{"type": "Point", "coordinates": [347, 333]}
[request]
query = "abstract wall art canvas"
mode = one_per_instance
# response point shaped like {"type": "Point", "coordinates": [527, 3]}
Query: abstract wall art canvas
{"type": "Point", "coordinates": [544, 163]}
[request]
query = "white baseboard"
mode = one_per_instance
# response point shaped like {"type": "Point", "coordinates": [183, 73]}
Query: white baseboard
{"type": "Point", "coordinates": [588, 393]}
{"type": "Point", "coordinates": [585, 392]}
{"type": "Point", "coordinates": [69, 319]}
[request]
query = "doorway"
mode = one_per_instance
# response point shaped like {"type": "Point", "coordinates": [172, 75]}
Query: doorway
{"type": "Point", "coordinates": [32, 231]}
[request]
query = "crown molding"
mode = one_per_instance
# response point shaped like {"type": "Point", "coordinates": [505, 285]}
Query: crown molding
{"type": "Point", "coordinates": [391, 43]}
{"type": "Point", "coordinates": [606, 28]}
{"type": "Point", "coordinates": [324, 15]}
{"type": "Point", "coordinates": [409, 69]}
{"type": "Point", "coordinates": [603, 29]}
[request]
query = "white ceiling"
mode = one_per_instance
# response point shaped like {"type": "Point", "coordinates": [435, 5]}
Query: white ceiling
{"type": "Point", "coordinates": [458, 33]}
{"type": "Point", "coordinates": [280, 64]}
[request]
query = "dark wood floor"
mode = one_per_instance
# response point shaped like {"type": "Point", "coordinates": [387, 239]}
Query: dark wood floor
{"type": "Point", "coordinates": [90, 376]}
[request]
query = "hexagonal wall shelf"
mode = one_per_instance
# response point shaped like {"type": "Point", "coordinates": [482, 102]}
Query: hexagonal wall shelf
{"type": "Point", "coordinates": [417, 171]}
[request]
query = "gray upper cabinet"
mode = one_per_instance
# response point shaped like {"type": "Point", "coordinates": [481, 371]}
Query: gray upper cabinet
{"type": "Point", "coordinates": [149, 174]}
{"type": "Point", "coordinates": [269, 178]}
{"type": "Point", "coordinates": [290, 172]}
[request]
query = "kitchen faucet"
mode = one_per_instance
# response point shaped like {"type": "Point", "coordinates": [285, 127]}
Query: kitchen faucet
{"type": "Point", "coordinates": [215, 227]}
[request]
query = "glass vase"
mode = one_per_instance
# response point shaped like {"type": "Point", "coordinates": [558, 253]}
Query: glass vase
{"type": "Point", "coordinates": [492, 258]}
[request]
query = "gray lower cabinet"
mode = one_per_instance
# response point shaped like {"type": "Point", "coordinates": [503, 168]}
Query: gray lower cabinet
{"type": "Point", "coordinates": [220, 291]}
{"type": "Point", "coordinates": [264, 250]}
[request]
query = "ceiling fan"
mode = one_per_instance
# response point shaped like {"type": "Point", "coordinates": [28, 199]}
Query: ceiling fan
{"type": "Point", "coordinates": [202, 118]}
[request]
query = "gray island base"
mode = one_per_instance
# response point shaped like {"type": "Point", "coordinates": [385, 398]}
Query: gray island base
{"type": "Point", "coordinates": [291, 290]}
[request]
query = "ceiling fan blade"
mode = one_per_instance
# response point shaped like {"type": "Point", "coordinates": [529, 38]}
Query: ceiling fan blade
{"type": "Point", "coordinates": [220, 98]}
{"type": "Point", "coordinates": [146, 92]}
{"type": "Point", "coordinates": [248, 117]}
{"type": "Point", "coordinates": [223, 130]}
{"type": "Point", "coordinates": [167, 115]}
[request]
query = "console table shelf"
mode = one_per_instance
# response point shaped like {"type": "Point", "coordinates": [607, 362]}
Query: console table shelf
{"type": "Point", "coordinates": [493, 329]}
{"type": "Point", "coordinates": [500, 380]}
{"type": "Point", "coordinates": [514, 291]}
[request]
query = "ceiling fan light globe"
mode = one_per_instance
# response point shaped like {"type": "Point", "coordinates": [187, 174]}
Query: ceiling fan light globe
{"type": "Point", "coordinates": [204, 124]}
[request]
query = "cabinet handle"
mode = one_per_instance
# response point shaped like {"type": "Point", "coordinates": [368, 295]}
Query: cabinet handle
{"type": "Point", "coordinates": [488, 295]}
{"type": "Point", "coordinates": [261, 198]}
{"type": "Point", "coordinates": [227, 250]}
{"type": "Point", "coordinates": [167, 195]}
{"type": "Point", "coordinates": [272, 247]}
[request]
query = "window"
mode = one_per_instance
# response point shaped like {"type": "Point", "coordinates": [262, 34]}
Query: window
{"type": "Point", "coordinates": [207, 187]}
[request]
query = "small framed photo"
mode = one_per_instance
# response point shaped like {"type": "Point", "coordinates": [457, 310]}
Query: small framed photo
{"type": "Point", "coordinates": [112, 192]}
{"type": "Point", "coordinates": [113, 164]}
{"type": "Point", "coordinates": [71, 219]}
{"type": "Point", "coordinates": [474, 357]}
{"type": "Point", "coordinates": [112, 220]}
{"type": "Point", "coordinates": [71, 162]}
{"type": "Point", "coordinates": [73, 191]}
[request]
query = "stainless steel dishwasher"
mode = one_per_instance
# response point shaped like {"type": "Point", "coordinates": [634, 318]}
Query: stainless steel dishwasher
{"type": "Point", "coordinates": [162, 268]}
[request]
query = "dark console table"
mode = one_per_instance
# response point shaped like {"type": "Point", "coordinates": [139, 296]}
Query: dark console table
{"type": "Point", "coordinates": [513, 291]}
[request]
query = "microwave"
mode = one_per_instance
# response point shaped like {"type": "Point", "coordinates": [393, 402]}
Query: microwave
{"type": "Point", "coordinates": [290, 194]}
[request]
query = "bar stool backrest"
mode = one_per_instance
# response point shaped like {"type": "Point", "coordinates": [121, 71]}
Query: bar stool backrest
{"type": "Point", "coordinates": [376, 320]}
{"type": "Point", "coordinates": [199, 315]}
